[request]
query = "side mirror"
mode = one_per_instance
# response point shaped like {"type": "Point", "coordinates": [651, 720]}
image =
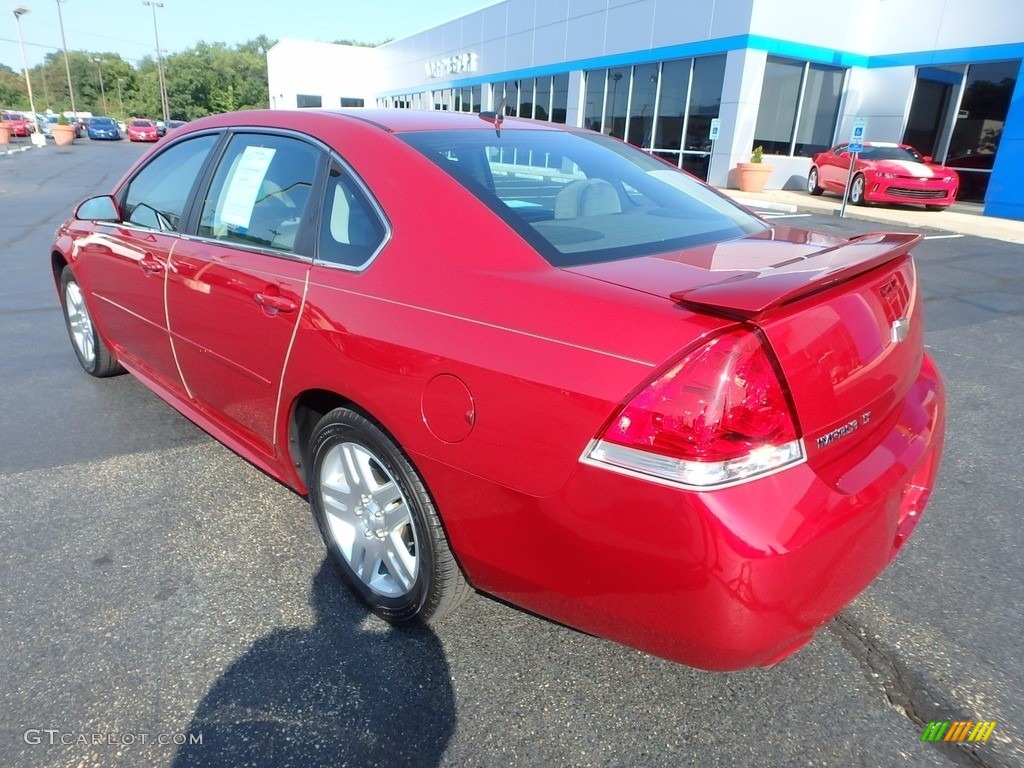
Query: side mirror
{"type": "Point", "coordinates": [927, 159]}
{"type": "Point", "coordinates": [102, 208]}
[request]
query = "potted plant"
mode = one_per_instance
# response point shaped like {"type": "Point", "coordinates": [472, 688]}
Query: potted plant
{"type": "Point", "coordinates": [63, 132]}
{"type": "Point", "coordinates": [754, 175]}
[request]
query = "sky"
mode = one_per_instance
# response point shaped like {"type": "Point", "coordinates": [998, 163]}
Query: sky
{"type": "Point", "coordinates": [125, 27]}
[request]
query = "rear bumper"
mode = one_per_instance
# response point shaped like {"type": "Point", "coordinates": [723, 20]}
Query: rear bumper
{"type": "Point", "coordinates": [723, 580]}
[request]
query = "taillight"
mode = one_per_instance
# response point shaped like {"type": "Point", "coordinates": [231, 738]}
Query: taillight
{"type": "Point", "coordinates": [716, 417]}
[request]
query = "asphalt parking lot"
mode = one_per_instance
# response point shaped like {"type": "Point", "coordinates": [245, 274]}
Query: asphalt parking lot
{"type": "Point", "coordinates": [164, 603]}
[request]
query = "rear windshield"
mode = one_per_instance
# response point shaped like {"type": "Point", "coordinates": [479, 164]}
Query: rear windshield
{"type": "Point", "coordinates": [583, 198]}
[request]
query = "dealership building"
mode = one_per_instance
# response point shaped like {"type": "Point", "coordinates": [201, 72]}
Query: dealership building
{"type": "Point", "coordinates": [700, 83]}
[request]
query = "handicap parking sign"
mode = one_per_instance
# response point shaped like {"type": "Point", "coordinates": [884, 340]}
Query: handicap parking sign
{"type": "Point", "coordinates": [860, 126]}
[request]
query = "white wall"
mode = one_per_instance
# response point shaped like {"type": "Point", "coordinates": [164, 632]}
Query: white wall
{"type": "Point", "coordinates": [321, 69]}
{"type": "Point", "coordinates": [918, 25]}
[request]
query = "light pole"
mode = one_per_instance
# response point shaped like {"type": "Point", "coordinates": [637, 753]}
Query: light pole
{"type": "Point", "coordinates": [159, 61]}
{"type": "Point", "coordinates": [19, 11]}
{"type": "Point", "coordinates": [103, 94]}
{"type": "Point", "coordinates": [67, 66]}
{"type": "Point", "coordinates": [120, 100]}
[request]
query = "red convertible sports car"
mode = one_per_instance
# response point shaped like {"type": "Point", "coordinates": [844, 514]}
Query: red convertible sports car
{"type": "Point", "coordinates": [884, 173]}
{"type": "Point", "coordinates": [525, 359]}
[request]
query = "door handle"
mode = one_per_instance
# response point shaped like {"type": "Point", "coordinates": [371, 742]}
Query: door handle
{"type": "Point", "coordinates": [150, 264]}
{"type": "Point", "coordinates": [274, 304]}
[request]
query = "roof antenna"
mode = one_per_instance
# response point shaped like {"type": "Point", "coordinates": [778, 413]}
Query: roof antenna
{"type": "Point", "coordinates": [496, 116]}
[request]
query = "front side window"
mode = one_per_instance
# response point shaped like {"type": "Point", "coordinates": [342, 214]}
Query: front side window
{"type": "Point", "coordinates": [260, 191]}
{"type": "Point", "coordinates": [581, 197]}
{"type": "Point", "coordinates": [156, 197]}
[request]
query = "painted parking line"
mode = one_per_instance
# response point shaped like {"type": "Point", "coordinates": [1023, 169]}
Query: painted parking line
{"type": "Point", "coordinates": [942, 237]}
{"type": "Point", "coordinates": [785, 215]}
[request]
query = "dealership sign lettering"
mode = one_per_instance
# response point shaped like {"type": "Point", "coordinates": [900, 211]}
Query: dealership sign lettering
{"type": "Point", "coordinates": [451, 65]}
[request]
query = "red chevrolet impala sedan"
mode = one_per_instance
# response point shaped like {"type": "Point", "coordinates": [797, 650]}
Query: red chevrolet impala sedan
{"type": "Point", "coordinates": [525, 359]}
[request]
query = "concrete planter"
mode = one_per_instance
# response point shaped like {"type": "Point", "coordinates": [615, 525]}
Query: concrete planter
{"type": "Point", "coordinates": [63, 134]}
{"type": "Point", "coordinates": [5, 135]}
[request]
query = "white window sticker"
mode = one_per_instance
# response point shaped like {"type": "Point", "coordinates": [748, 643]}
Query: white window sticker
{"type": "Point", "coordinates": [243, 187]}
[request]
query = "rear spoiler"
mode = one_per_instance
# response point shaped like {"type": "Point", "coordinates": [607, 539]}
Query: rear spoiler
{"type": "Point", "coordinates": [749, 294]}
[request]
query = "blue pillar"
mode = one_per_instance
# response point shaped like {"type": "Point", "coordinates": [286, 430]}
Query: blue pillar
{"type": "Point", "coordinates": [1005, 197]}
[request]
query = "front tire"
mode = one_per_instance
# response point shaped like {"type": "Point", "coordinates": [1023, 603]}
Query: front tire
{"type": "Point", "coordinates": [379, 523]}
{"type": "Point", "coordinates": [93, 355]}
{"type": "Point", "coordinates": [812, 183]}
{"type": "Point", "coordinates": [857, 187]}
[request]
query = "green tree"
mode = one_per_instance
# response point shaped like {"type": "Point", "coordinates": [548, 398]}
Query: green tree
{"type": "Point", "coordinates": [12, 88]}
{"type": "Point", "coordinates": [211, 78]}
{"type": "Point", "coordinates": [206, 79]}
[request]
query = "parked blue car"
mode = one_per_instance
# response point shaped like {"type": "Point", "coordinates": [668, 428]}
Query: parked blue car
{"type": "Point", "coordinates": [103, 128]}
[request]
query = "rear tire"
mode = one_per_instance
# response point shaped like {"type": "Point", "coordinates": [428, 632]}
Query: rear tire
{"type": "Point", "coordinates": [379, 523]}
{"type": "Point", "coordinates": [93, 355]}
{"type": "Point", "coordinates": [812, 183]}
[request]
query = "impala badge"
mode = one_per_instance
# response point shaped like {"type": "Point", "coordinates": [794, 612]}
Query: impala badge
{"type": "Point", "coordinates": [899, 330]}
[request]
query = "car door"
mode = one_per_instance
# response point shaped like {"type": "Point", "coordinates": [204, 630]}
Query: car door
{"type": "Point", "coordinates": [124, 264]}
{"type": "Point", "coordinates": [236, 288]}
{"type": "Point", "coordinates": [834, 169]}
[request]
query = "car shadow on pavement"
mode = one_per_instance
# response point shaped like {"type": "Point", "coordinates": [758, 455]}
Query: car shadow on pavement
{"type": "Point", "coordinates": [337, 693]}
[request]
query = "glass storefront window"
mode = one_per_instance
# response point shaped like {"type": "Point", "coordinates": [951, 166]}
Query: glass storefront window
{"type": "Point", "coordinates": [675, 87]}
{"type": "Point", "coordinates": [560, 97]}
{"type": "Point", "coordinates": [542, 99]}
{"type": "Point", "coordinates": [511, 93]}
{"type": "Point", "coordinates": [776, 114]}
{"type": "Point", "coordinates": [666, 102]}
{"type": "Point", "coordinates": [929, 117]}
{"type": "Point", "coordinates": [595, 100]}
{"type": "Point", "coordinates": [978, 129]}
{"type": "Point", "coordinates": [641, 112]}
{"type": "Point", "coordinates": [616, 98]}
{"type": "Point", "coordinates": [705, 102]}
{"type": "Point", "coordinates": [799, 107]}
{"type": "Point", "coordinates": [817, 124]}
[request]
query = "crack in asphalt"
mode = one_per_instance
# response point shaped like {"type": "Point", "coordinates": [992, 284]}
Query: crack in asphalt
{"type": "Point", "coordinates": [909, 694]}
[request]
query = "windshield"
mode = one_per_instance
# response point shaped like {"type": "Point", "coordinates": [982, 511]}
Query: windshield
{"type": "Point", "coordinates": [102, 121]}
{"type": "Point", "coordinates": [890, 153]}
{"type": "Point", "coordinates": [583, 198]}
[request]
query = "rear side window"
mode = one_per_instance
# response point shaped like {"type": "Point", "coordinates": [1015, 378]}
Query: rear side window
{"type": "Point", "coordinates": [156, 197]}
{"type": "Point", "coordinates": [351, 231]}
{"type": "Point", "coordinates": [583, 198]}
{"type": "Point", "coordinates": [260, 192]}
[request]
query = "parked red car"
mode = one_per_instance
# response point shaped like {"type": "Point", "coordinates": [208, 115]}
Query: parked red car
{"type": "Point", "coordinates": [526, 358]}
{"type": "Point", "coordinates": [884, 173]}
{"type": "Point", "coordinates": [17, 123]}
{"type": "Point", "coordinates": [142, 130]}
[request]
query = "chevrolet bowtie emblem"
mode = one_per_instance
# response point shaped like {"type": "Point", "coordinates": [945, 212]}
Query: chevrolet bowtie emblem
{"type": "Point", "coordinates": [899, 330]}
